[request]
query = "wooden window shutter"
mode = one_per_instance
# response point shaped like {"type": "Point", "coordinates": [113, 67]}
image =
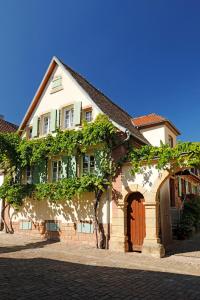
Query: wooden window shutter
{"type": "Point", "coordinates": [40, 172]}
{"type": "Point", "coordinates": [179, 186]}
{"type": "Point", "coordinates": [186, 187]}
{"type": "Point", "coordinates": [77, 113]}
{"type": "Point", "coordinates": [72, 167]}
{"type": "Point", "coordinates": [58, 118]}
{"type": "Point", "coordinates": [65, 163]}
{"type": "Point", "coordinates": [69, 166]}
{"type": "Point", "coordinates": [53, 120]}
{"type": "Point", "coordinates": [98, 155]}
{"type": "Point", "coordinates": [35, 127]}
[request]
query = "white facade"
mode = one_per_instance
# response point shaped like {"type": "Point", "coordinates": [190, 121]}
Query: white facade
{"type": "Point", "coordinates": [71, 93]}
{"type": "Point", "coordinates": [157, 134]}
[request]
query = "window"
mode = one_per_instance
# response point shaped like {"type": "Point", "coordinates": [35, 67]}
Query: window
{"type": "Point", "coordinates": [56, 170]}
{"type": "Point", "coordinates": [29, 133]}
{"type": "Point", "coordinates": [46, 124]}
{"type": "Point", "coordinates": [25, 225]}
{"type": "Point", "coordinates": [56, 84]}
{"type": "Point", "coordinates": [29, 178]}
{"type": "Point", "coordinates": [170, 141]}
{"type": "Point", "coordinates": [52, 225]}
{"type": "Point", "coordinates": [85, 227]}
{"type": "Point", "coordinates": [68, 117]}
{"type": "Point", "coordinates": [88, 115]}
{"type": "Point", "coordinates": [88, 164]}
{"type": "Point", "coordinates": [172, 192]}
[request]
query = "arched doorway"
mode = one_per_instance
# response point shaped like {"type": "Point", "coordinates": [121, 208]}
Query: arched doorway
{"type": "Point", "coordinates": [136, 228]}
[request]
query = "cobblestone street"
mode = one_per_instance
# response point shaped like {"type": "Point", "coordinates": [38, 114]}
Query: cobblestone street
{"type": "Point", "coordinates": [35, 269]}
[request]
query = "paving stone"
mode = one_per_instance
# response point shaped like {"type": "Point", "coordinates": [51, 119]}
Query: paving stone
{"type": "Point", "coordinates": [31, 268]}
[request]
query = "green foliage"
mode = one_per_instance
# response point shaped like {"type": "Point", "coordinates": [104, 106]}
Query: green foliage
{"type": "Point", "coordinates": [185, 154]}
{"type": "Point", "coordinates": [21, 153]}
{"type": "Point", "coordinates": [9, 143]}
{"type": "Point", "coordinates": [190, 217]}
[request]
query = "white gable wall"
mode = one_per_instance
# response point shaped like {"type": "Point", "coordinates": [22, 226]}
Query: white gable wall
{"type": "Point", "coordinates": [158, 133]}
{"type": "Point", "coordinates": [154, 134]}
{"type": "Point", "coordinates": [71, 93]}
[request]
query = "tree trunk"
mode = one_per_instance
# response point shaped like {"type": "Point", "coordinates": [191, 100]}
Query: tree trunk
{"type": "Point", "coordinates": [7, 227]}
{"type": "Point", "coordinates": [98, 227]}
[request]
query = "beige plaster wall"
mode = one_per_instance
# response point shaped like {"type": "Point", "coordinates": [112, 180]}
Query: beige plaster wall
{"type": "Point", "coordinates": [80, 208]}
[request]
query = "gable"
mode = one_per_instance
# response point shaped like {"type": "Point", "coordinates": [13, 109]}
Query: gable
{"type": "Point", "coordinates": [75, 89]}
{"type": "Point", "coordinates": [70, 93]}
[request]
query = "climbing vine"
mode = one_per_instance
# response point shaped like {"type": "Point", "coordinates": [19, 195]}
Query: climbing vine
{"type": "Point", "coordinates": [183, 155]}
{"type": "Point", "coordinates": [18, 153]}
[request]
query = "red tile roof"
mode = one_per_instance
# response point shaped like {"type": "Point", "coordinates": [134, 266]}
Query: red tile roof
{"type": "Point", "coordinates": [151, 120]}
{"type": "Point", "coordinates": [148, 119]}
{"type": "Point", "coordinates": [6, 126]}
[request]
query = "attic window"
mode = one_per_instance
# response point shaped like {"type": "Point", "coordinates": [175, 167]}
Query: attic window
{"type": "Point", "coordinates": [170, 141]}
{"type": "Point", "coordinates": [56, 84]}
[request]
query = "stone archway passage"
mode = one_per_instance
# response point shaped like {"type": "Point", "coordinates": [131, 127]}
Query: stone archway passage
{"type": "Point", "coordinates": [136, 228]}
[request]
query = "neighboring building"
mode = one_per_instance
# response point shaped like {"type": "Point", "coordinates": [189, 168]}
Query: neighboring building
{"type": "Point", "coordinates": [173, 192]}
{"type": "Point", "coordinates": [5, 126]}
{"type": "Point", "coordinates": [135, 212]}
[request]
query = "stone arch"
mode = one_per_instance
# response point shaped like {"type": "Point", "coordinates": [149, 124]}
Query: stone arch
{"type": "Point", "coordinates": [131, 188]}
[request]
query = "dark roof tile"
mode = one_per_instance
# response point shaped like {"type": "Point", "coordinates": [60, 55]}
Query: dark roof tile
{"type": "Point", "coordinates": [113, 111]}
{"type": "Point", "coordinates": [6, 126]}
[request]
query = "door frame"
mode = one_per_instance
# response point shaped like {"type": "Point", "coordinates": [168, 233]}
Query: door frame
{"type": "Point", "coordinates": [129, 202]}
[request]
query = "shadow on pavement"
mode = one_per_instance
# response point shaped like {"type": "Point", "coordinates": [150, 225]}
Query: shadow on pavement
{"type": "Point", "coordinates": [185, 246]}
{"type": "Point", "coordinates": [33, 245]}
{"type": "Point", "coordinates": [41, 278]}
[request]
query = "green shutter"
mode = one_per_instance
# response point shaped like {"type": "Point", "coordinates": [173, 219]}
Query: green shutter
{"type": "Point", "coordinates": [58, 118]}
{"type": "Point", "coordinates": [40, 173]}
{"type": "Point", "coordinates": [77, 113]}
{"type": "Point", "coordinates": [68, 166]}
{"type": "Point", "coordinates": [179, 187]}
{"type": "Point", "coordinates": [65, 163]}
{"type": "Point", "coordinates": [35, 127]}
{"type": "Point", "coordinates": [72, 166]}
{"type": "Point", "coordinates": [99, 156]}
{"type": "Point", "coordinates": [53, 121]}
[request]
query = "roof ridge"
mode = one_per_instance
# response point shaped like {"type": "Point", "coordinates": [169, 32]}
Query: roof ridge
{"type": "Point", "coordinates": [151, 114]}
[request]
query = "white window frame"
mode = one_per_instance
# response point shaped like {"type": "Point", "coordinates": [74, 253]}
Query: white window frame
{"type": "Point", "coordinates": [170, 141]}
{"type": "Point", "coordinates": [56, 84]}
{"type": "Point", "coordinates": [46, 130]}
{"type": "Point", "coordinates": [29, 175]}
{"type": "Point", "coordinates": [70, 111]}
{"type": "Point", "coordinates": [90, 168]}
{"type": "Point", "coordinates": [58, 168]}
{"type": "Point", "coordinates": [85, 115]}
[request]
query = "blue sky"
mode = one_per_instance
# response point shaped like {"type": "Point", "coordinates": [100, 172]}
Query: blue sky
{"type": "Point", "coordinates": [145, 55]}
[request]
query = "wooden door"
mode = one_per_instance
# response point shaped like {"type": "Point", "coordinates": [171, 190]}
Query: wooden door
{"type": "Point", "coordinates": [136, 228]}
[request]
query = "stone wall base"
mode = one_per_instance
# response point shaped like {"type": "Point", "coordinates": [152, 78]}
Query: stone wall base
{"type": "Point", "coordinates": [68, 232]}
{"type": "Point", "coordinates": [153, 248]}
{"type": "Point", "coordinates": [118, 244]}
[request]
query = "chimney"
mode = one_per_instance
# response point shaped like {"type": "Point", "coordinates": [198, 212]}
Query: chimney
{"type": "Point", "coordinates": [2, 117]}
